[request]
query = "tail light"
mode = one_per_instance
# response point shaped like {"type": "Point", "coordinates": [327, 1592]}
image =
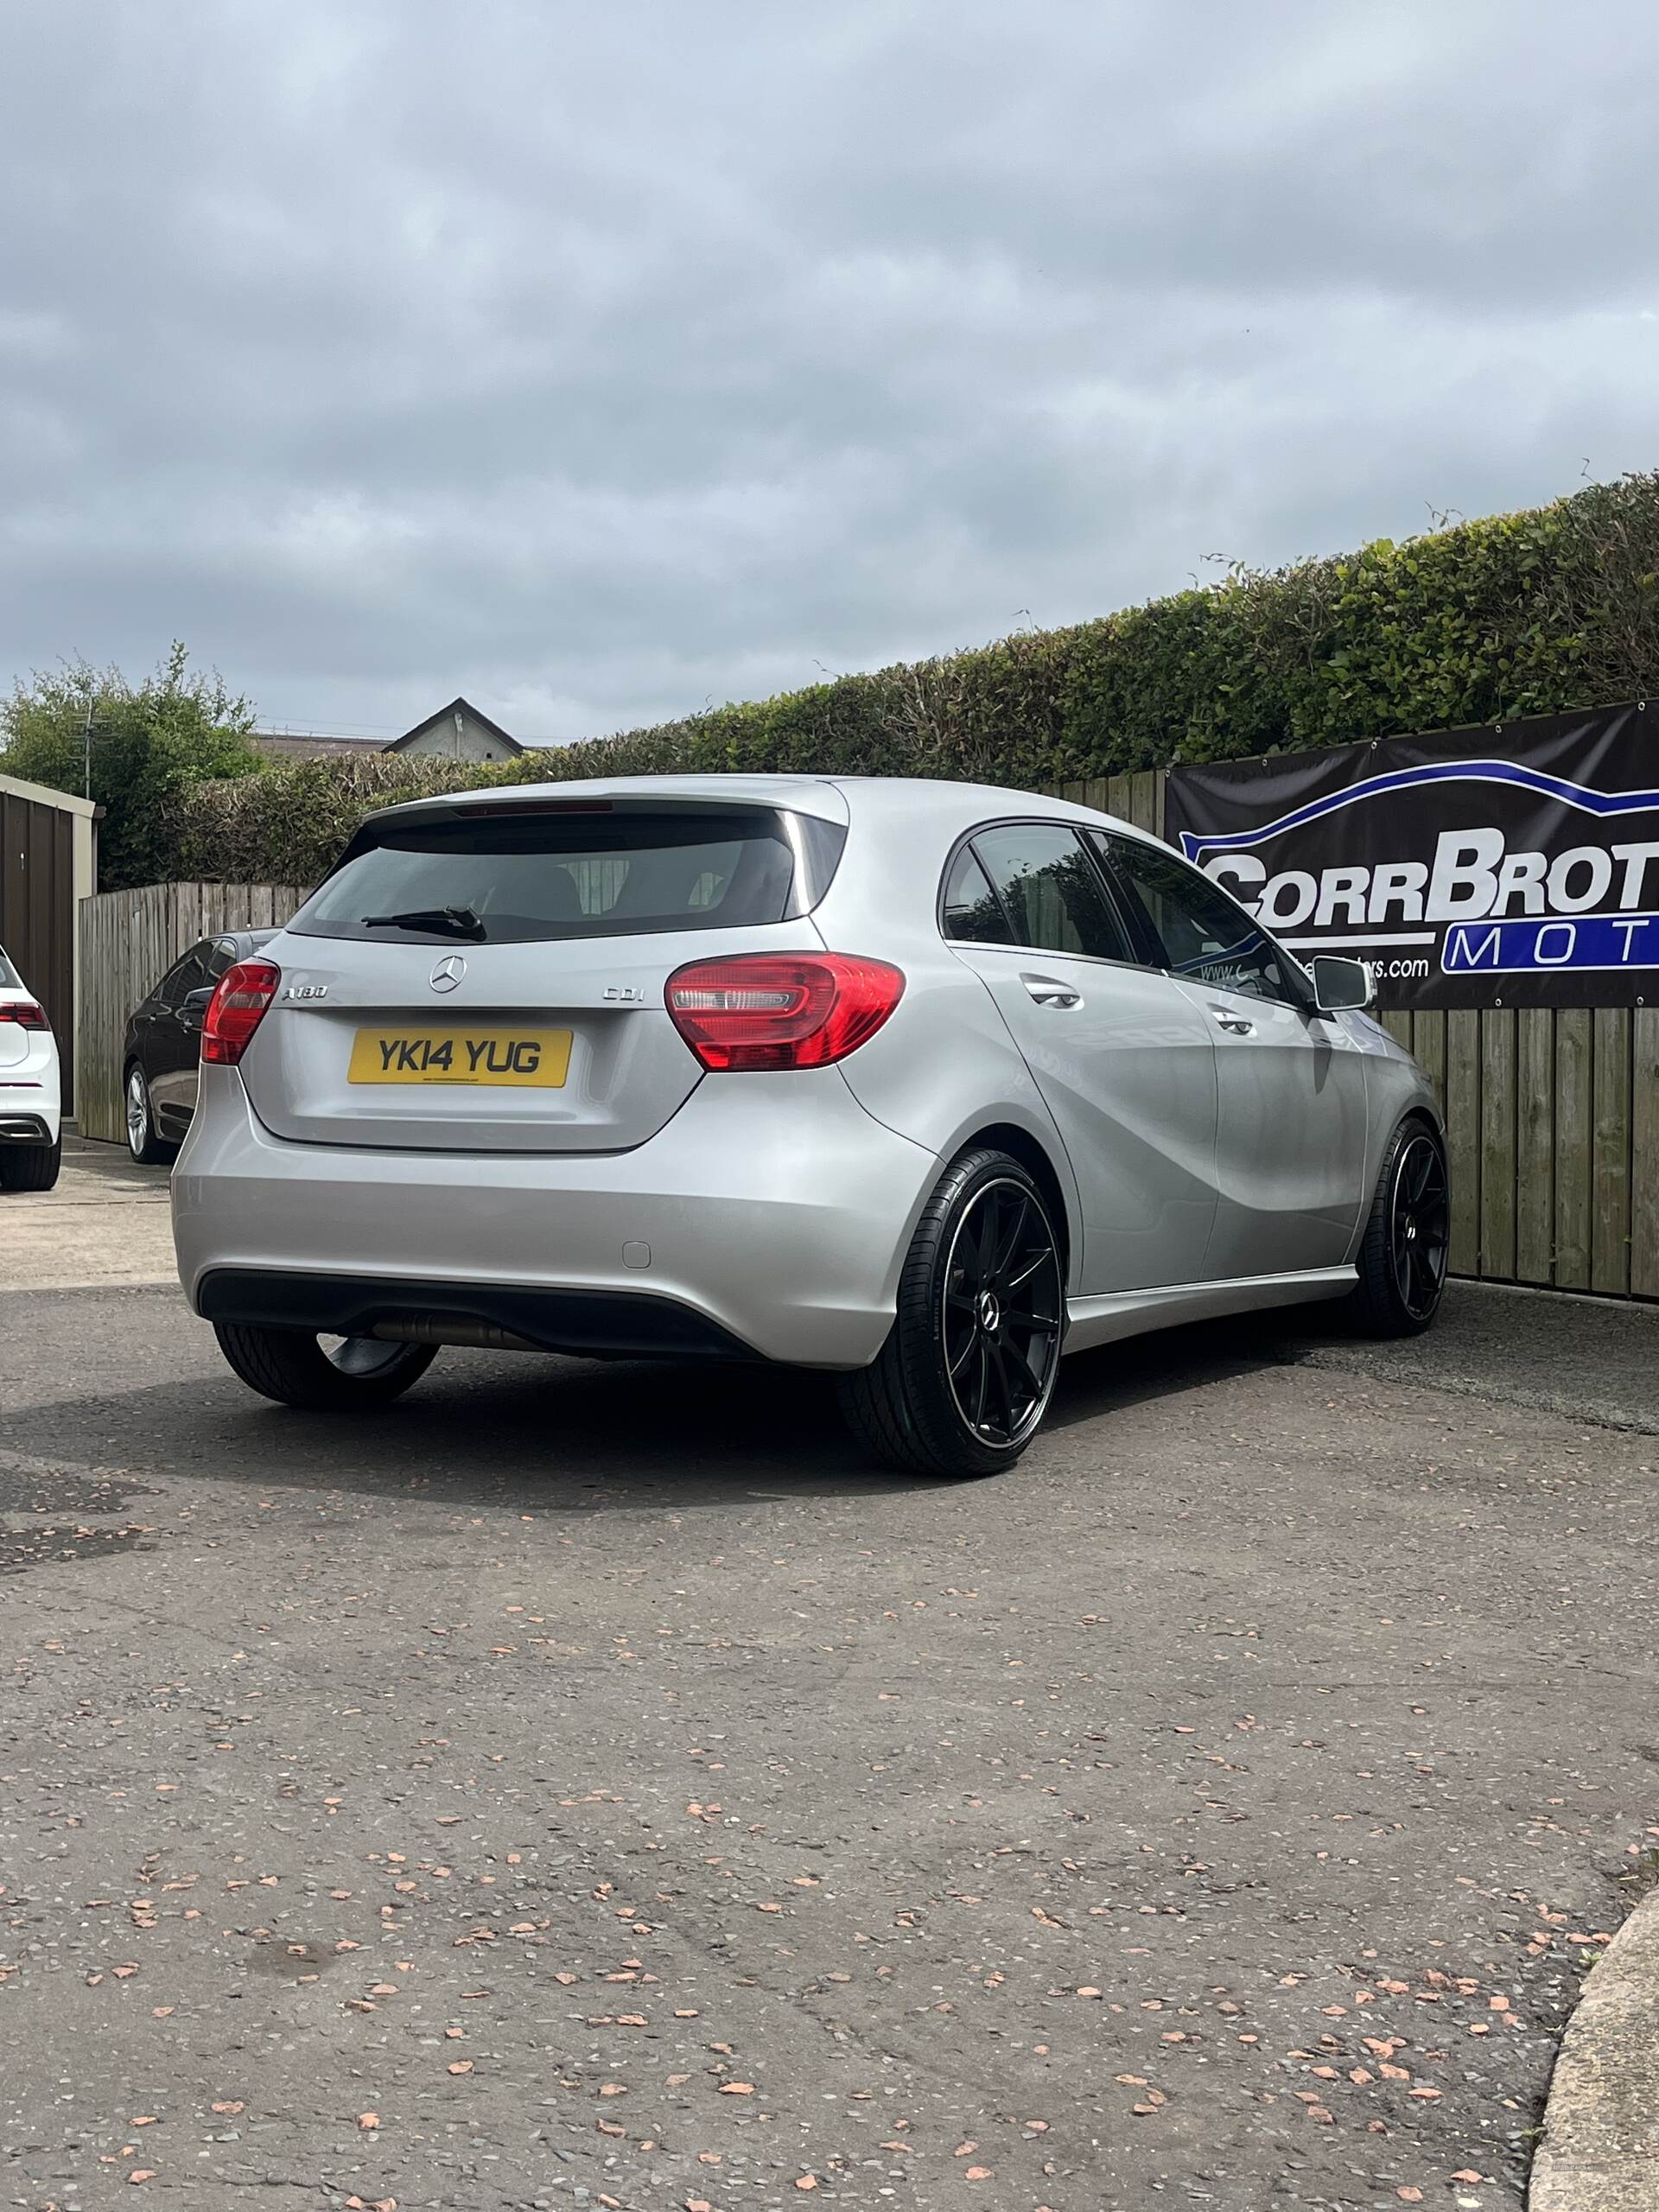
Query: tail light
{"type": "Point", "coordinates": [24, 1012]}
{"type": "Point", "coordinates": [781, 1010]}
{"type": "Point", "coordinates": [237, 1008]}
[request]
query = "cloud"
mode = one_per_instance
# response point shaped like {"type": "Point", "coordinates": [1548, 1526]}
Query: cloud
{"type": "Point", "coordinates": [599, 363]}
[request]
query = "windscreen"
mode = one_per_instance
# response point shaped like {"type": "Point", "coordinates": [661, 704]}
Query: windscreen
{"type": "Point", "coordinates": [519, 878]}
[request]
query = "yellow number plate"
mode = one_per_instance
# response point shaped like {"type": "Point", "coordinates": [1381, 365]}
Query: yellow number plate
{"type": "Point", "coordinates": [538, 1058]}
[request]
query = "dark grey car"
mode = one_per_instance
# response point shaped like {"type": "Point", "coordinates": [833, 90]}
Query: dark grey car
{"type": "Point", "coordinates": [161, 1055]}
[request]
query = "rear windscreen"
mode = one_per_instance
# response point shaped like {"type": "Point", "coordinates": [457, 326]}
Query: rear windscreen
{"type": "Point", "coordinates": [9, 979]}
{"type": "Point", "coordinates": [515, 879]}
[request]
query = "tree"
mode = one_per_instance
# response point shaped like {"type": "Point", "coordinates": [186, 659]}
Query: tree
{"type": "Point", "coordinates": [178, 727]}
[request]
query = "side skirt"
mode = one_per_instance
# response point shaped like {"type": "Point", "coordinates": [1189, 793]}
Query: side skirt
{"type": "Point", "coordinates": [1103, 1319]}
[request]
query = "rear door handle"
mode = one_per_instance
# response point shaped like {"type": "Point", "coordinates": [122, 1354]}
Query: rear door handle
{"type": "Point", "coordinates": [1048, 991]}
{"type": "Point", "coordinates": [1224, 1018]}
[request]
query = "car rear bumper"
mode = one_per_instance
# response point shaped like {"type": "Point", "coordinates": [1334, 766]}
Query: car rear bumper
{"type": "Point", "coordinates": [21, 1125]}
{"type": "Point", "coordinates": [587, 1324]}
{"type": "Point", "coordinates": [769, 1218]}
{"type": "Point", "coordinates": [30, 1098]}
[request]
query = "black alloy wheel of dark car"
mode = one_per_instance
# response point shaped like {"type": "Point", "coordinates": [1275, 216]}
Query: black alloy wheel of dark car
{"type": "Point", "coordinates": [962, 1384]}
{"type": "Point", "coordinates": [1402, 1258]}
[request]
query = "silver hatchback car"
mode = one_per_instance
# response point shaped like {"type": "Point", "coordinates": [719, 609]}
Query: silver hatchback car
{"type": "Point", "coordinates": [922, 1083]}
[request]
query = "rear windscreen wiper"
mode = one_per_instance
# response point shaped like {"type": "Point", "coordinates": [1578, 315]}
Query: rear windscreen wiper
{"type": "Point", "coordinates": [447, 921]}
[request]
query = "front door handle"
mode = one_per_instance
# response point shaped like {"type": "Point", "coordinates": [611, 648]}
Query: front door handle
{"type": "Point", "coordinates": [1048, 991]}
{"type": "Point", "coordinates": [1224, 1018]}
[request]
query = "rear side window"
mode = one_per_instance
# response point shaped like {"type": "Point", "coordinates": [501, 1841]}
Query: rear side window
{"type": "Point", "coordinates": [186, 974]}
{"type": "Point", "coordinates": [973, 912]}
{"type": "Point", "coordinates": [1037, 887]}
{"type": "Point", "coordinates": [536, 876]}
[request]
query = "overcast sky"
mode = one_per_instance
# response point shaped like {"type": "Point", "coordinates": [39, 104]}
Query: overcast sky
{"type": "Point", "coordinates": [604, 362]}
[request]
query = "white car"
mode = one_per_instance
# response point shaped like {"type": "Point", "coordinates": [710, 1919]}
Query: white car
{"type": "Point", "coordinates": [30, 1134]}
{"type": "Point", "coordinates": [922, 1083]}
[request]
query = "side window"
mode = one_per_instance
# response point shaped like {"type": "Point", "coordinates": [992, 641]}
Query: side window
{"type": "Point", "coordinates": [1203, 935]}
{"type": "Point", "coordinates": [1052, 892]}
{"type": "Point", "coordinates": [184, 976]}
{"type": "Point", "coordinates": [221, 956]}
{"type": "Point", "coordinates": [973, 912]}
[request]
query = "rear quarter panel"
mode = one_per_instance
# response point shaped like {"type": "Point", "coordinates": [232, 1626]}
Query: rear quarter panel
{"type": "Point", "coordinates": [945, 1066]}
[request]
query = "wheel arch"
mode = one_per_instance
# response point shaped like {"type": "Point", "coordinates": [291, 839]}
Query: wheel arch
{"type": "Point", "coordinates": [1396, 1090]}
{"type": "Point", "coordinates": [1418, 1106]}
{"type": "Point", "coordinates": [1033, 1156]}
{"type": "Point", "coordinates": [1422, 1110]}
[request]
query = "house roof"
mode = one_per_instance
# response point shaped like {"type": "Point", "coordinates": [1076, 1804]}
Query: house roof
{"type": "Point", "coordinates": [40, 795]}
{"type": "Point", "coordinates": [295, 744]}
{"type": "Point", "coordinates": [457, 706]}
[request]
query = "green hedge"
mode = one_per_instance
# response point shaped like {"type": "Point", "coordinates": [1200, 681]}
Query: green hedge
{"type": "Point", "coordinates": [1516, 614]}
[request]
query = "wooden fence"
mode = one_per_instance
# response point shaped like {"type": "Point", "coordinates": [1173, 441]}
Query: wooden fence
{"type": "Point", "coordinates": [1553, 1128]}
{"type": "Point", "coordinates": [128, 941]}
{"type": "Point", "coordinates": [1552, 1117]}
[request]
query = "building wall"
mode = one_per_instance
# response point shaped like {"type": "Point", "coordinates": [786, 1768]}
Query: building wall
{"type": "Point", "coordinates": [472, 741]}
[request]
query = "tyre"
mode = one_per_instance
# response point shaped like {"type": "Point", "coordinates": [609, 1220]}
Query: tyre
{"type": "Point", "coordinates": [141, 1140]}
{"type": "Point", "coordinates": [321, 1374]}
{"type": "Point", "coordinates": [964, 1378]}
{"type": "Point", "coordinates": [1401, 1259]}
{"type": "Point", "coordinates": [30, 1166]}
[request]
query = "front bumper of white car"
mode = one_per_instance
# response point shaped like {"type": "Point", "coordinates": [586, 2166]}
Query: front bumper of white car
{"type": "Point", "coordinates": [769, 1218]}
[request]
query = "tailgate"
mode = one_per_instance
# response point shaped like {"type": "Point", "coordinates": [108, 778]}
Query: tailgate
{"type": "Point", "coordinates": [491, 980]}
{"type": "Point", "coordinates": [549, 1049]}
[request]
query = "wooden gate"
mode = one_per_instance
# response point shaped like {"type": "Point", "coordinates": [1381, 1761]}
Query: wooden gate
{"type": "Point", "coordinates": [128, 939]}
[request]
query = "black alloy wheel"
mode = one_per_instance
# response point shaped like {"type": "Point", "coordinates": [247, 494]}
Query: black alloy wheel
{"type": "Point", "coordinates": [1001, 1315]}
{"type": "Point", "coordinates": [963, 1383]}
{"type": "Point", "coordinates": [1401, 1259]}
{"type": "Point", "coordinates": [1420, 1225]}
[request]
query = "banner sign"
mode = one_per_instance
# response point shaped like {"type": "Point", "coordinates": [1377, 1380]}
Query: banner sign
{"type": "Point", "coordinates": [1516, 865]}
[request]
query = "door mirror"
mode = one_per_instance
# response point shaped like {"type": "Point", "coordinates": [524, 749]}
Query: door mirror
{"type": "Point", "coordinates": [1341, 985]}
{"type": "Point", "coordinates": [194, 1005]}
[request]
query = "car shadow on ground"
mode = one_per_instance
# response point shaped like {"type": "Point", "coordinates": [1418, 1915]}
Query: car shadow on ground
{"type": "Point", "coordinates": [582, 1436]}
{"type": "Point", "coordinates": [505, 1429]}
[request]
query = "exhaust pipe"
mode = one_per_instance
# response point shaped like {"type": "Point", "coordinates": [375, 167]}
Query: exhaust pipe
{"type": "Point", "coordinates": [449, 1329]}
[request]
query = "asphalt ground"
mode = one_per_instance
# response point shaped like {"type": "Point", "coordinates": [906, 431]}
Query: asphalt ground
{"type": "Point", "coordinates": [588, 1785]}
